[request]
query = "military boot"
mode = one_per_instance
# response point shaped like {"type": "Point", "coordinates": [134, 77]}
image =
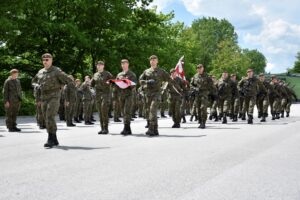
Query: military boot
{"type": "Point", "coordinates": [126, 130]}
{"type": "Point", "coordinates": [147, 125]}
{"type": "Point", "coordinates": [176, 125]}
{"type": "Point", "coordinates": [202, 125]}
{"type": "Point", "coordinates": [273, 116]}
{"type": "Point", "coordinates": [191, 118]}
{"type": "Point", "coordinates": [150, 131]}
{"type": "Point", "coordinates": [277, 115]}
{"type": "Point", "coordinates": [224, 119]}
{"type": "Point", "coordinates": [235, 118]}
{"type": "Point", "coordinates": [243, 116]}
{"type": "Point", "coordinates": [105, 129]}
{"type": "Point", "coordinates": [259, 115]}
{"type": "Point", "coordinates": [117, 120]}
{"type": "Point", "coordinates": [250, 119]}
{"type": "Point", "coordinates": [156, 130]}
{"type": "Point", "coordinates": [287, 114]}
{"type": "Point", "coordinates": [183, 119]}
{"type": "Point", "coordinates": [263, 118]}
{"type": "Point", "coordinates": [50, 143]}
{"type": "Point", "coordinates": [54, 138]}
{"type": "Point", "coordinates": [240, 115]}
{"type": "Point", "coordinates": [162, 114]}
{"type": "Point", "coordinates": [210, 117]}
{"type": "Point", "coordinates": [282, 114]}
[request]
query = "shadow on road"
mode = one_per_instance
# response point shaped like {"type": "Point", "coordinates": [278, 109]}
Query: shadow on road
{"type": "Point", "coordinates": [66, 148]}
{"type": "Point", "coordinates": [173, 136]}
{"type": "Point", "coordinates": [1, 135]}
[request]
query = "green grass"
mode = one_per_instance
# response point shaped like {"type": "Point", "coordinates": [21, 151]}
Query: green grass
{"type": "Point", "coordinates": [294, 81]}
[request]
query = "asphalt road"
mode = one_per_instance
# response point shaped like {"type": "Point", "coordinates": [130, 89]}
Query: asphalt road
{"type": "Point", "coordinates": [231, 161]}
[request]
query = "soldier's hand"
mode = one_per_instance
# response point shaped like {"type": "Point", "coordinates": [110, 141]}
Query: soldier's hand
{"type": "Point", "coordinates": [7, 104]}
{"type": "Point", "coordinates": [67, 103]}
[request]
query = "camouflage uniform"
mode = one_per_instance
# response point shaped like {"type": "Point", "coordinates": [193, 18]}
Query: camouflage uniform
{"type": "Point", "coordinates": [203, 85]}
{"type": "Point", "coordinates": [235, 100]}
{"type": "Point", "coordinates": [39, 114]}
{"type": "Point", "coordinates": [78, 104]}
{"type": "Point", "coordinates": [12, 94]}
{"type": "Point", "coordinates": [50, 81]}
{"type": "Point", "coordinates": [290, 95]}
{"type": "Point", "coordinates": [274, 98]}
{"type": "Point", "coordinates": [263, 100]}
{"type": "Point", "coordinates": [99, 82]}
{"type": "Point", "coordinates": [225, 95]}
{"type": "Point", "coordinates": [87, 102]}
{"type": "Point", "coordinates": [126, 99]}
{"type": "Point", "coordinates": [70, 93]}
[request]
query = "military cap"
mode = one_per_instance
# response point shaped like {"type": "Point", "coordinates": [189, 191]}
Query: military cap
{"type": "Point", "coordinates": [14, 71]}
{"type": "Point", "coordinates": [172, 71]}
{"type": "Point", "coordinates": [100, 62]}
{"type": "Point", "coordinates": [153, 57]}
{"type": "Point", "coordinates": [273, 77]}
{"type": "Point", "coordinates": [124, 61]}
{"type": "Point", "coordinates": [232, 75]}
{"type": "Point", "coordinates": [261, 74]}
{"type": "Point", "coordinates": [249, 70]}
{"type": "Point", "coordinates": [46, 55]}
{"type": "Point", "coordinates": [199, 66]}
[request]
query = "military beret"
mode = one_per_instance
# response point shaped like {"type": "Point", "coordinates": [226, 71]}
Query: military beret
{"type": "Point", "coordinates": [46, 55]}
{"type": "Point", "coordinates": [249, 70]}
{"type": "Point", "coordinates": [273, 76]}
{"type": "Point", "coordinates": [172, 71]}
{"type": "Point", "coordinates": [13, 71]}
{"type": "Point", "coordinates": [232, 75]}
{"type": "Point", "coordinates": [199, 66]}
{"type": "Point", "coordinates": [261, 74]}
{"type": "Point", "coordinates": [100, 62]}
{"type": "Point", "coordinates": [153, 57]}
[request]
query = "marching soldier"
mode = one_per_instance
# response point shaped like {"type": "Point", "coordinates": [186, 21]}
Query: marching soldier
{"type": "Point", "coordinates": [248, 86]}
{"type": "Point", "coordinates": [126, 96]}
{"type": "Point", "coordinates": [224, 92]}
{"type": "Point", "coordinates": [274, 97]}
{"type": "Point", "coordinates": [70, 93]}
{"type": "Point", "coordinates": [78, 104]}
{"type": "Point", "coordinates": [290, 94]}
{"type": "Point", "coordinates": [87, 98]}
{"type": "Point", "coordinates": [50, 79]}
{"type": "Point", "coordinates": [39, 114]}
{"type": "Point", "coordinates": [152, 78]}
{"type": "Point", "coordinates": [263, 98]}
{"type": "Point", "coordinates": [203, 85]}
{"type": "Point", "coordinates": [101, 84]}
{"type": "Point", "coordinates": [12, 96]}
{"type": "Point", "coordinates": [235, 98]}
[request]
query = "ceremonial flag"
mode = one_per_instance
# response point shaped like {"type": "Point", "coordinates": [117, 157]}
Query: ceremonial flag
{"type": "Point", "coordinates": [123, 84]}
{"type": "Point", "coordinates": [179, 68]}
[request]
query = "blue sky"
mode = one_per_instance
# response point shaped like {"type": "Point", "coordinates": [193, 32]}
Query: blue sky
{"type": "Point", "coordinates": [270, 26]}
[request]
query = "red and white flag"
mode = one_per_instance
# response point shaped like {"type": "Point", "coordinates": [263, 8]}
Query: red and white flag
{"type": "Point", "coordinates": [124, 83]}
{"type": "Point", "coordinates": [179, 68]}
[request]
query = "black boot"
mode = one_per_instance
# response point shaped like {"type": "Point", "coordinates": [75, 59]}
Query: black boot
{"type": "Point", "coordinates": [282, 114]}
{"type": "Point", "coordinates": [126, 130]}
{"type": "Point", "coordinates": [156, 130]}
{"type": "Point", "coordinates": [210, 117]}
{"type": "Point", "coordinates": [224, 119]}
{"type": "Point", "coordinates": [216, 117]}
{"type": "Point", "coordinates": [55, 141]}
{"type": "Point", "coordinates": [202, 125]}
{"type": "Point", "coordinates": [287, 114]}
{"type": "Point", "coordinates": [76, 120]}
{"type": "Point", "coordinates": [240, 115]}
{"type": "Point", "coordinates": [105, 129]}
{"type": "Point", "coordinates": [259, 115]}
{"type": "Point", "coordinates": [273, 116]}
{"type": "Point", "coordinates": [243, 116]}
{"type": "Point", "coordinates": [235, 118]}
{"type": "Point", "coordinates": [277, 115]}
{"type": "Point", "coordinates": [176, 125]}
{"type": "Point", "coordinates": [117, 120]}
{"type": "Point", "coordinates": [183, 119]}
{"type": "Point", "coordinates": [150, 131]}
{"type": "Point", "coordinates": [250, 119]}
{"type": "Point", "coordinates": [263, 118]}
{"type": "Point", "coordinates": [50, 143]}
{"type": "Point", "coordinates": [162, 115]}
{"type": "Point", "coordinates": [17, 129]}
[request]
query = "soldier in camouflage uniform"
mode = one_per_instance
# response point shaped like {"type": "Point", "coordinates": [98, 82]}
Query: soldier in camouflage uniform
{"type": "Point", "coordinates": [152, 79]}
{"type": "Point", "coordinates": [284, 97]}
{"type": "Point", "coordinates": [61, 109]}
{"type": "Point", "coordinates": [50, 79]}
{"type": "Point", "coordinates": [87, 100]}
{"type": "Point", "coordinates": [12, 96]}
{"type": "Point", "coordinates": [235, 98]}
{"type": "Point", "coordinates": [290, 95]}
{"type": "Point", "coordinates": [78, 104]}
{"type": "Point", "coordinates": [274, 97]}
{"type": "Point", "coordinates": [39, 114]}
{"type": "Point", "coordinates": [70, 93]}
{"type": "Point", "coordinates": [203, 85]}
{"type": "Point", "coordinates": [263, 98]}
{"type": "Point", "coordinates": [213, 99]}
{"type": "Point", "coordinates": [101, 83]}
{"type": "Point", "coordinates": [248, 86]}
{"type": "Point", "coordinates": [126, 96]}
{"type": "Point", "coordinates": [141, 101]}
{"type": "Point", "coordinates": [164, 103]}
{"type": "Point", "coordinates": [175, 97]}
{"type": "Point", "coordinates": [116, 103]}
{"type": "Point", "coordinates": [225, 95]}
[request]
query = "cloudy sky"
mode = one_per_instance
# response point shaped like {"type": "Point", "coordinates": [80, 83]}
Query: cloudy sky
{"type": "Point", "coordinates": [270, 26]}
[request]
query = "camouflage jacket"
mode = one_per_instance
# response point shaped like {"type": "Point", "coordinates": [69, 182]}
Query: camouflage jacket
{"type": "Point", "coordinates": [12, 91]}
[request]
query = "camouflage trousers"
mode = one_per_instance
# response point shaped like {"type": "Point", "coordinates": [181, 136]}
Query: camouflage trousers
{"type": "Point", "coordinates": [50, 108]}
{"type": "Point", "coordinates": [87, 110]}
{"type": "Point", "coordinates": [126, 105]}
{"type": "Point", "coordinates": [201, 103]}
{"type": "Point", "coordinates": [77, 109]}
{"type": "Point", "coordinates": [248, 105]}
{"type": "Point", "coordinates": [213, 107]}
{"type": "Point", "coordinates": [224, 105]}
{"type": "Point", "coordinates": [11, 114]}
{"type": "Point", "coordinates": [175, 104]}
{"type": "Point", "coordinates": [262, 104]}
{"type": "Point", "coordinates": [102, 102]}
{"type": "Point", "coordinates": [283, 104]}
{"type": "Point", "coordinates": [116, 108]}
{"type": "Point", "coordinates": [274, 104]}
{"type": "Point", "coordinates": [151, 106]}
{"type": "Point", "coordinates": [69, 112]}
{"type": "Point", "coordinates": [39, 115]}
{"type": "Point", "coordinates": [234, 108]}
{"type": "Point", "coordinates": [288, 105]}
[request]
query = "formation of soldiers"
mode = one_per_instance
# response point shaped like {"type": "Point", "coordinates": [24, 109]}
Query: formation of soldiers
{"type": "Point", "coordinates": [224, 99]}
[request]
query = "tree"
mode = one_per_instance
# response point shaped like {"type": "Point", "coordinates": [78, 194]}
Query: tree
{"type": "Point", "coordinates": [258, 61]}
{"type": "Point", "coordinates": [296, 68]}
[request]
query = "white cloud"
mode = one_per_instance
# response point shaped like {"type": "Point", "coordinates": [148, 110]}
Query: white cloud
{"type": "Point", "coordinates": [269, 67]}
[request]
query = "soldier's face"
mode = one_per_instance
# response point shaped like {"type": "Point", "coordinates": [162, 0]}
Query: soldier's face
{"type": "Point", "coordinates": [15, 75]}
{"type": "Point", "coordinates": [125, 66]}
{"type": "Point", "coordinates": [201, 70]}
{"type": "Point", "coordinates": [233, 78]}
{"type": "Point", "coordinates": [224, 75]}
{"type": "Point", "coordinates": [173, 75]}
{"type": "Point", "coordinates": [47, 62]}
{"type": "Point", "coordinates": [250, 73]}
{"type": "Point", "coordinates": [262, 78]}
{"type": "Point", "coordinates": [100, 67]}
{"type": "Point", "coordinates": [153, 62]}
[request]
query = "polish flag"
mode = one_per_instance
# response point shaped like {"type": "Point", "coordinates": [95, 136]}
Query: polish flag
{"type": "Point", "coordinates": [124, 83]}
{"type": "Point", "coordinates": [179, 68]}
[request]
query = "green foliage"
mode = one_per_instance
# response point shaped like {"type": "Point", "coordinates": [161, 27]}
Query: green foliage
{"type": "Point", "coordinates": [258, 61]}
{"type": "Point", "coordinates": [296, 68]}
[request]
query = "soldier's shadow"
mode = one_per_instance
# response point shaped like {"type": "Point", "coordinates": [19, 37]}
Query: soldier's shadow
{"type": "Point", "coordinates": [160, 135]}
{"type": "Point", "coordinates": [66, 148]}
{"type": "Point", "coordinates": [1, 135]}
